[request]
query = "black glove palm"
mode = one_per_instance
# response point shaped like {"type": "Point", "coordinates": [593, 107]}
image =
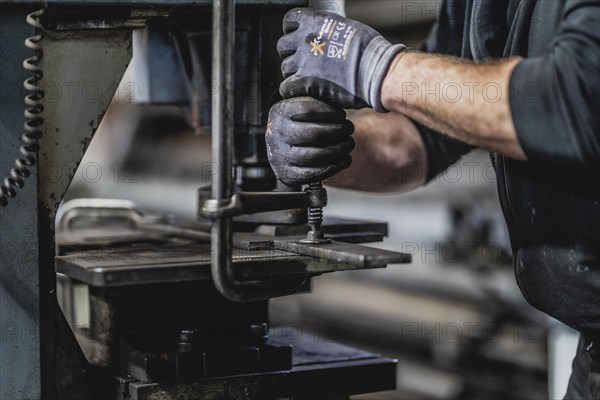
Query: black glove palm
{"type": "Point", "coordinates": [308, 140]}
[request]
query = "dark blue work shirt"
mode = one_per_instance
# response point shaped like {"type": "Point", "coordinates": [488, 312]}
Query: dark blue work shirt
{"type": "Point", "coordinates": [552, 201]}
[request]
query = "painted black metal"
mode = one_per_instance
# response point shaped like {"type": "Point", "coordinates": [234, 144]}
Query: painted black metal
{"type": "Point", "coordinates": [321, 369]}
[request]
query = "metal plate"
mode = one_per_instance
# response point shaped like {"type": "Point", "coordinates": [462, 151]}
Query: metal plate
{"type": "Point", "coordinates": [149, 263]}
{"type": "Point", "coordinates": [364, 257]}
{"type": "Point", "coordinates": [332, 226]}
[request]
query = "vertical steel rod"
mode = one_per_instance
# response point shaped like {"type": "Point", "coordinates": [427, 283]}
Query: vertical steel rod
{"type": "Point", "coordinates": [223, 123]}
{"type": "Point", "coordinates": [222, 99]}
{"type": "Point", "coordinates": [222, 139]}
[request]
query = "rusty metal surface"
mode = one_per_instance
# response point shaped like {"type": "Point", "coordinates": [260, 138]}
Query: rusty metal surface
{"type": "Point", "coordinates": [77, 98]}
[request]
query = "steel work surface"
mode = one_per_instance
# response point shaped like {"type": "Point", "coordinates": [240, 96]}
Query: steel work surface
{"type": "Point", "coordinates": [151, 252]}
{"type": "Point", "coordinates": [176, 263]}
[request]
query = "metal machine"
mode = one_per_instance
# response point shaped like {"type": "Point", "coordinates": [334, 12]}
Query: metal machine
{"type": "Point", "coordinates": [177, 308]}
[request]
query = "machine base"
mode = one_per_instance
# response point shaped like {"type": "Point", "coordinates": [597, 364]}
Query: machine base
{"type": "Point", "coordinates": [321, 370]}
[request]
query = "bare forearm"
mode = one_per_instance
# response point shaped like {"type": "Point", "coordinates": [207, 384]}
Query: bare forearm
{"type": "Point", "coordinates": [389, 155]}
{"type": "Point", "coordinates": [467, 101]}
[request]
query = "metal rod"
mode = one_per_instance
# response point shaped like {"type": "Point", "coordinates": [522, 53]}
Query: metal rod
{"type": "Point", "coordinates": [223, 64]}
{"type": "Point", "coordinates": [222, 99]}
{"type": "Point", "coordinates": [222, 143]}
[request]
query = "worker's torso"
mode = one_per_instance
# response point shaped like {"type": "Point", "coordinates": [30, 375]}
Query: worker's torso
{"type": "Point", "coordinates": [553, 213]}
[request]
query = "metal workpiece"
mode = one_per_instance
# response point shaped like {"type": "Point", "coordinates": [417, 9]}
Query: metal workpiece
{"type": "Point", "coordinates": [331, 226]}
{"type": "Point", "coordinates": [160, 263]}
{"type": "Point", "coordinates": [360, 256]}
{"type": "Point", "coordinates": [264, 259]}
{"type": "Point", "coordinates": [109, 243]}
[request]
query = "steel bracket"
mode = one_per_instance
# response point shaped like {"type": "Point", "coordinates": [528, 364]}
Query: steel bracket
{"type": "Point", "coordinates": [215, 209]}
{"type": "Point", "coordinates": [257, 202]}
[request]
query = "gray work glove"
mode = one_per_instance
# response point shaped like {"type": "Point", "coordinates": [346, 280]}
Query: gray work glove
{"type": "Point", "coordinates": [308, 140]}
{"type": "Point", "coordinates": [333, 58]}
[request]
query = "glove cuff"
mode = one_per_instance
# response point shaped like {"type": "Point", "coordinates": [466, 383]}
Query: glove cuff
{"type": "Point", "coordinates": [374, 66]}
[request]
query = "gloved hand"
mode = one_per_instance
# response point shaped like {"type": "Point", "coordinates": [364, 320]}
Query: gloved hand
{"type": "Point", "coordinates": [308, 140]}
{"type": "Point", "coordinates": [333, 58]}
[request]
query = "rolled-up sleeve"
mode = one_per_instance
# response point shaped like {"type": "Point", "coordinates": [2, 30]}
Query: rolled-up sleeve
{"type": "Point", "coordinates": [555, 99]}
{"type": "Point", "coordinates": [446, 37]}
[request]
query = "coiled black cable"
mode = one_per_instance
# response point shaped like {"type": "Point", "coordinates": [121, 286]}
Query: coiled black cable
{"type": "Point", "coordinates": [33, 120]}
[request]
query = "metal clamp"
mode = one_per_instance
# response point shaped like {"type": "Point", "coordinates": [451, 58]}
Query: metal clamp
{"type": "Point", "coordinates": [214, 209]}
{"type": "Point", "coordinates": [257, 202]}
{"type": "Point", "coordinates": [223, 56]}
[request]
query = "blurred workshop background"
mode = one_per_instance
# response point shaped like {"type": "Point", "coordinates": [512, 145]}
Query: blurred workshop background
{"type": "Point", "coordinates": [454, 318]}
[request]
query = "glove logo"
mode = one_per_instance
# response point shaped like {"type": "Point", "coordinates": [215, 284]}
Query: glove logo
{"type": "Point", "coordinates": [317, 47]}
{"type": "Point", "coordinates": [269, 133]}
{"type": "Point", "coordinates": [334, 52]}
{"type": "Point", "coordinates": [269, 127]}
